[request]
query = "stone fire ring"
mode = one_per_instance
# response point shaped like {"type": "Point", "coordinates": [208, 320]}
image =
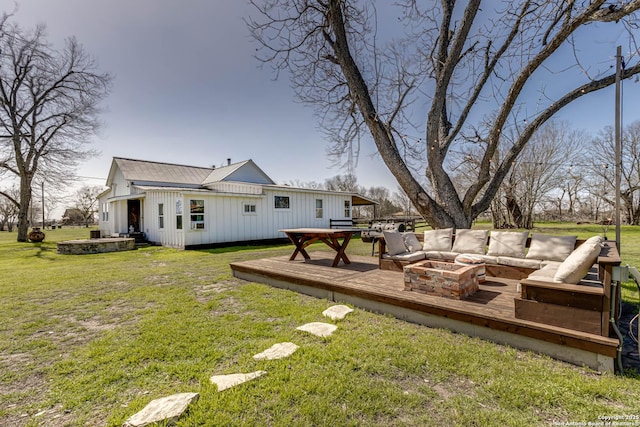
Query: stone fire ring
{"type": "Point", "coordinates": [96, 246]}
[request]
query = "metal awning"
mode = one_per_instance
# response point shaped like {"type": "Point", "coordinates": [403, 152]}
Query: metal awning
{"type": "Point", "coordinates": [358, 200]}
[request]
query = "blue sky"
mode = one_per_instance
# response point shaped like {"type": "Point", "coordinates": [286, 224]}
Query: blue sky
{"type": "Point", "coordinates": [188, 90]}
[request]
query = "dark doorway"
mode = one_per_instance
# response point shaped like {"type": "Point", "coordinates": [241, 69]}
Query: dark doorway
{"type": "Point", "coordinates": [133, 207]}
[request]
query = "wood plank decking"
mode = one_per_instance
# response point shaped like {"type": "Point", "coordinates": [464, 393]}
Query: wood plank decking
{"type": "Point", "coordinates": [488, 314]}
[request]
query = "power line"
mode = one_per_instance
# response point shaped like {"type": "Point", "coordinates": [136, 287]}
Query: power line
{"type": "Point", "coordinates": [91, 177]}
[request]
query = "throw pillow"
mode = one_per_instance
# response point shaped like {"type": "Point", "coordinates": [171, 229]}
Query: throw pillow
{"type": "Point", "coordinates": [508, 243]}
{"type": "Point", "coordinates": [579, 262]}
{"type": "Point", "coordinates": [411, 242]}
{"type": "Point", "coordinates": [394, 241]}
{"type": "Point", "coordinates": [551, 248]}
{"type": "Point", "coordinates": [470, 241]}
{"type": "Point", "coordinates": [438, 240]}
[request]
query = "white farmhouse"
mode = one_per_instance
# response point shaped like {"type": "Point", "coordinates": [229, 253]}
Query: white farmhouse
{"type": "Point", "coordinates": [189, 206]}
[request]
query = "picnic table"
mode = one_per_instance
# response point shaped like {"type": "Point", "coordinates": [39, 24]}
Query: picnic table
{"type": "Point", "coordinates": [336, 239]}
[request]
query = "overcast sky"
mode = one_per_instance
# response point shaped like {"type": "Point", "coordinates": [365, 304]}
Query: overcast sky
{"type": "Point", "coordinates": [188, 90]}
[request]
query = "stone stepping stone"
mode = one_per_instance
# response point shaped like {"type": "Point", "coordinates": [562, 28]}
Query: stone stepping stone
{"type": "Point", "coordinates": [337, 312]}
{"type": "Point", "coordinates": [277, 351]}
{"type": "Point", "coordinates": [319, 329]}
{"type": "Point", "coordinates": [227, 381]}
{"type": "Point", "coordinates": [166, 409]}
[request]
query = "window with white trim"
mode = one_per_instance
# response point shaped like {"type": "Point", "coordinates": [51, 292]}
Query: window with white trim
{"type": "Point", "coordinates": [249, 209]}
{"type": "Point", "coordinates": [105, 212]}
{"type": "Point", "coordinates": [179, 214]}
{"type": "Point", "coordinates": [196, 211]}
{"type": "Point", "coordinates": [160, 215]}
{"type": "Point", "coordinates": [347, 209]}
{"type": "Point", "coordinates": [319, 213]}
{"type": "Point", "coordinates": [281, 202]}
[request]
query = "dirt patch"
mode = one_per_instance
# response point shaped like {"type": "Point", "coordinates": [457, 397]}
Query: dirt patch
{"type": "Point", "coordinates": [204, 293]}
{"type": "Point", "coordinates": [453, 387]}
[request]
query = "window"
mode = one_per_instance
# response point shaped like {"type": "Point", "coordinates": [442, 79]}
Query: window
{"type": "Point", "coordinates": [160, 215]}
{"type": "Point", "coordinates": [196, 209]}
{"type": "Point", "coordinates": [347, 209]}
{"type": "Point", "coordinates": [178, 214]}
{"type": "Point", "coordinates": [105, 212]}
{"type": "Point", "coordinates": [318, 208]}
{"type": "Point", "coordinates": [249, 209]}
{"type": "Point", "coordinates": [281, 202]}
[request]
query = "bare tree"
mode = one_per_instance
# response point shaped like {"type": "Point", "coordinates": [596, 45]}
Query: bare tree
{"type": "Point", "coordinates": [543, 168]}
{"type": "Point", "coordinates": [597, 199]}
{"type": "Point", "coordinates": [8, 208]}
{"type": "Point", "coordinates": [342, 183]}
{"type": "Point", "coordinates": [86, 202]}
{"type": "Point", "coordinates": [403, 201]}
{"type": "Point", "coordinates": [385, 206]}
{"type": "Point", "coordinates": [49, 103]}
{"type": "Point", "coordinates": [603, 155]}
{"type": "Point", "coordinates": [473, 68]}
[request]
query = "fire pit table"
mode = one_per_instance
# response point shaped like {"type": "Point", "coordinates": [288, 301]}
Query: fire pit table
{"type": "Point", "coordinates": [443, 279]}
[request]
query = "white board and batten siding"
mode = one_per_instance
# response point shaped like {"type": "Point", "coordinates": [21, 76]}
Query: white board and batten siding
{"type": "Point", "coordinates": [237, 217]}
{"type": "Point", "coordinates": [169, 234]}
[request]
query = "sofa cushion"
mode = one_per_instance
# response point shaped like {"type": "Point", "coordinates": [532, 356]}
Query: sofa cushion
{"type": "Point", "coordinates": [394, 241]}
{"type": "Point", "coordinates": [438, 240]}
{"type": "Point", "coordinates": [470, 241]}
{"type": "Point", "coordinates": [508, 243]}
{"type": "Point", "coordinates": [579, 262]}
{"type": "Point", "coordinates": [520, 262]}
{"type": "Point", "coordinates": [546, 273]}
{"type": "Point", "coordinates": [406, 256]}
{"type": "Point", "coordinates": [411, 242]}
{"type": "Point", "coordinates": [489, 259]}
{"type": "Point", "coordinates": [552, 248]}
{"type": "Point", "coordinates": [441, 255]}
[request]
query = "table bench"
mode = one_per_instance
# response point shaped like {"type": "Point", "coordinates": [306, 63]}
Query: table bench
{"type": "Point", "coordinates": [303, 237]}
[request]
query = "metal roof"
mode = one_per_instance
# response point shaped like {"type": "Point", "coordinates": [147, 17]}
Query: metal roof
{"type": "Point", "coordinates": [142, 170]}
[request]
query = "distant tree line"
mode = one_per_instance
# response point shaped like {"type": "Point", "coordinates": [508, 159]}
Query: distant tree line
{"type": "Point", "coordinates": [82, 207]}
{"type": "Point", "coordinates": [389, 203]}
{"type": "Point", "coordinates": [569, 175]}
{"type": "Point", "coordinates": [563, 175]}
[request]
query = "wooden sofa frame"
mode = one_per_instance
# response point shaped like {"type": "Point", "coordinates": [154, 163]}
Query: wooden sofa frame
{"type": "Point", "coordinates": [584, 307]}
{"type": "Point", "coordinates": [505, 271]}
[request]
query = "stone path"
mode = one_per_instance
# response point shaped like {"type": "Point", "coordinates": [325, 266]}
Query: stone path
{"type": "Point", "coordinates": [318, 329]}
{"type": "Point", "coordinates": [169, 409]}
{"type": "Point", "coordinates": [277, 351]}
{"type": "Point", "coordinates": [227, 381]}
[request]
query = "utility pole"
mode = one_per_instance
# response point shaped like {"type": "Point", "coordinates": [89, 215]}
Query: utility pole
{"type": "Point", "coordinates": [618, 136]}
{"type": "Point", "coordinates": [43, 205]}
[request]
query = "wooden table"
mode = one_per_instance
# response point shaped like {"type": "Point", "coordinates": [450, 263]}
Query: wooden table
{"type": "Point", "coordinates": [303, 237]}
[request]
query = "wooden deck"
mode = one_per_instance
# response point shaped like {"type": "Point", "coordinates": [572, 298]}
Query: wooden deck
{"type": "Point", "coordinates": [488, 314]}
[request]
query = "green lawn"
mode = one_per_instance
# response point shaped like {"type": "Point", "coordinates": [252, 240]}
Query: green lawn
{"type": "Point", "coordinates": [90, 340]}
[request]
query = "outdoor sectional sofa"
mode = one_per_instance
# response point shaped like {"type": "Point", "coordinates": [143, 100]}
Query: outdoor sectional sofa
{"type": "Point", "coordinates": [563, 281]}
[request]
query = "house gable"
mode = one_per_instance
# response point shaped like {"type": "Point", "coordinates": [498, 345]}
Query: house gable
{"type": "Point", "coordinates": [246, 171]}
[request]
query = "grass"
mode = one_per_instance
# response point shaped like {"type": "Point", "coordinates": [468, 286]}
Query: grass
{"type": "Point", "coordinates": [90, 340]}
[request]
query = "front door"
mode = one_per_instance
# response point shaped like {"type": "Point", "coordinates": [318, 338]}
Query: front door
{"type": "Point", "coordinates": [133, 223]}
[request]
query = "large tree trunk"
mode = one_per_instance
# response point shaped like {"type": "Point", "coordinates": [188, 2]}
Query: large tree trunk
{"type": "Point", "coordinates": [25, 203]}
